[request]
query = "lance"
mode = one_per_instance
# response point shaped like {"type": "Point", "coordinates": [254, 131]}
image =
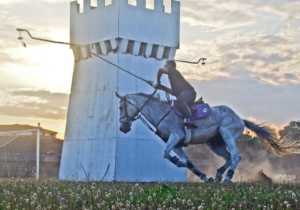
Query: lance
{"type": "Point", "coordinates": [21, 38]}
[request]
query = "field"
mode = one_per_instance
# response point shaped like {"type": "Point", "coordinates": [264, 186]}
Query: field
{"type": "Point", "coordinates": [50, 194]}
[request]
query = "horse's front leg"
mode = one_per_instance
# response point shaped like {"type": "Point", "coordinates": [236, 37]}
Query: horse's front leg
{"type": "Point", "coordinates": [172, 145]}
{"type": "Point", "coordinates": [190, 165]}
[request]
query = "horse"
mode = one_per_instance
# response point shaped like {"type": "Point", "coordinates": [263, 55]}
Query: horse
{"type": "Point", "coordinates": [220, 131]}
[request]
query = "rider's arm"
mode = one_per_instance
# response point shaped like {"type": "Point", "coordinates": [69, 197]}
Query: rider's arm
{"type": "Point", "coordinates": [159, 74]}
{"type": "Point", "coordinates": [164, 88]}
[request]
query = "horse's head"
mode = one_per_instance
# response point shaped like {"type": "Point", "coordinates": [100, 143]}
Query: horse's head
{"type": "Point", "coordinates": [128, 113]}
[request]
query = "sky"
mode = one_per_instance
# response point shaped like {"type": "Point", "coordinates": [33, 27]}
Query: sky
{"type": "Point", "coordinates": [253, 51]}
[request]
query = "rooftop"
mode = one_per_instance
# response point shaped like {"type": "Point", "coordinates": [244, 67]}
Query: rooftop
{"type": "Point", "coordinates": [16, 127]}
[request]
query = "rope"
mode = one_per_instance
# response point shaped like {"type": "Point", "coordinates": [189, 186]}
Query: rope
{"type": "Point", "coordinates": [109, 62]}
{"type": "Point", "coordinates": [122, 69]}
{"type": "Point", "coordinates": [147, 124]}
{"type": "Point", "coordinates": [20, 30]}
{"type": "Point", "coordinates": [144, 120]}
{"type": "Point", "coordinates": [94, 54]}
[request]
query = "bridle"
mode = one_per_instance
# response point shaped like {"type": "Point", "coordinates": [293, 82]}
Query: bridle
{"type": "Point", "coordinates": [138, 114]}
{"type": "Point", "coordinates": [135, 116]}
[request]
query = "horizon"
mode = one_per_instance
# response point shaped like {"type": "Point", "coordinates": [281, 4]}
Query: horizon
{"type": "Point", "coordinates": [253, 51]}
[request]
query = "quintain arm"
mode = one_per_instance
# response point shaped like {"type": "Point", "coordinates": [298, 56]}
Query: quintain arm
{"type": "Point", "coordinates": [20, 30]}
{"type": "Point", "coordinates": [202, 60]}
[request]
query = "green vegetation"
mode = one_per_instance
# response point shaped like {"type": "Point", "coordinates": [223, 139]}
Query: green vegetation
{"type": "Point", "coordinates": [24, 194]}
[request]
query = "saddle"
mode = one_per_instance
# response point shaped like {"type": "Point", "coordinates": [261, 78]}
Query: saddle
{"type": "Point", "coordinates": [199, 110]}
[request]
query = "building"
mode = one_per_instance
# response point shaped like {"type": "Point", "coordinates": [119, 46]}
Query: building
{"type": "Point", "coordinates": [140, 38]}
{"type": "Point", "coordinates": [18, 152]}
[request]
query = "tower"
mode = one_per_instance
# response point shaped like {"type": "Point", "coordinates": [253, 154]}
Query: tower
{"type": "Point", "coordinates": [138, 39]}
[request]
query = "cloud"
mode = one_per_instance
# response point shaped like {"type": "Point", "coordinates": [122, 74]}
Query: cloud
{"type": "Point", "coordinates": [21, 1]}
{"type": "Point", "coordinates": [31, 67]}
{"type": "Point", "coordinates": [216, 15]}
{"type": "Point", "coordinates": [45, 17]}
{"type": "Point", "coordinates": [252, 47]}
{"type": "Point", "coordinates": [8, 58]}
{"type": "Point", "coordinates": [35, 103]}
{"type": "Point", "coordinates": [270, 59]}
{"type": "Point", "coordinates": [250, 97]}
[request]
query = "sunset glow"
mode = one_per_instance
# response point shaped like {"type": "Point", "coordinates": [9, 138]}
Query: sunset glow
{"type": "Point", "coordinates": [253, 51]}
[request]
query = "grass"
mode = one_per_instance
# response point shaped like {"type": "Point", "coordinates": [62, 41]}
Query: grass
{"type": "Point", "coordinates": [49, 194]}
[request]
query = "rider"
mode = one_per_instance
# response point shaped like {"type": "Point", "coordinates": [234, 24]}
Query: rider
{"type": "Point", "coordinates": [184, 92]}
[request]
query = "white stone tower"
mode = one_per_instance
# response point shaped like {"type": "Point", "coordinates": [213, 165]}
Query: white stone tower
{"type": "Point", "coordinates": [138, 39]}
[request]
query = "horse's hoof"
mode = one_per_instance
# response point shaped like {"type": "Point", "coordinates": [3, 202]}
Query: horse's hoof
{"type": "Point", "coordinates": [227, 182]}
{"type": "Point", "coordinates": [218, 179]}
{"type": "Point", "coordinates": [203, 178]}
{"type": "Point", "coordinates": [210, 180]}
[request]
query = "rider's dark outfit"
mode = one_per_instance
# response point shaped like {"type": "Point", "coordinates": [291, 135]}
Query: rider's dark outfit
{"type": "Point", "coordinates": [180, 88]}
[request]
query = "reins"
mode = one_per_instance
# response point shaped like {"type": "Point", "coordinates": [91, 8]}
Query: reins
{"type": "Point", "coordinates": [139, 109]}
{"type": "Point", "coordinates": [140, 115]}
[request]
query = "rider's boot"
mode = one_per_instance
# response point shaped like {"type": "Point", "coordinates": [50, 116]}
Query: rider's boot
{"type": "Point", "coordinates": [187, 116]}
{"type": "Point", "coordinates": [189, 124]}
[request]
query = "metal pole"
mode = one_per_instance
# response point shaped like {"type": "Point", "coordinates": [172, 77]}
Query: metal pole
{"type": "Point", "coordinates": [38, 139]}
{"type": "Point", "coordinates": [20, 30]}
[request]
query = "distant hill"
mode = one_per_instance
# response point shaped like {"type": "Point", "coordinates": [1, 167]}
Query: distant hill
{"type": "Point", "coordinates": [18, 153]}
{"type": "Point", "coordinates": [291, 131]}
{"type": "Point", "coordinates": [20, 127]}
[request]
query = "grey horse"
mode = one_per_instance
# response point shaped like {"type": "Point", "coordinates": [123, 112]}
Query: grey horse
{"type": "Point", "coordinates": [220, 131]}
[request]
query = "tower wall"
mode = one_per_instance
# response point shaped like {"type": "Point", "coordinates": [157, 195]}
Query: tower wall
{"type": "Point", "coordinates": [139, 40]}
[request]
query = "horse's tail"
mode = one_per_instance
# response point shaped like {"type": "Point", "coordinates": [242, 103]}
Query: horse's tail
{"type": "Point", "coordinates": [276, 145]}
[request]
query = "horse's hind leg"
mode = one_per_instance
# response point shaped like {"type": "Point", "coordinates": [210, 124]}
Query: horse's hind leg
{"type": "Point", "coordinates": [230, 135]}
{"type": "Point", "coordinates": [218, 146]}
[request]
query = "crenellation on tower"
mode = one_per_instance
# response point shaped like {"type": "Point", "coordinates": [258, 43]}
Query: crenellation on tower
{"type": "Point", "coordinates": [74, 8]}
{"type": "Point", "coordinates": [160, 53]}
{"type": "Point", "coordinates": [124, 46]}
{"type": "Point", "coordinates": [154, 51]}
{"type": "Point", "coordinates": [87, 5]}
{"type": "Point", "coordinates": [100, 3]}
{"type": "Point", "coordinates": [132, 2]}
{"type": "Point", "coordinates": [104, 50]}
{"type": "Point", "coordinates": [108, 2]}
{"type": "Point", "coordinates": [175, 7]}
{"type": "Point", "coordinates": [97, 47]}
{"type": "Point", "coordinates": [85, 52]}
{"type": "Point", "coordinates": [136, 48]}
{"type": "Point", "coordinates": [172, 53]}
{"type": "Point", "coordinates": [159, 5]}
{"type": "Point", "coordinates": [136, 23]}
{"type": "Point", "coordinates": [93, 4]}
{"type": "Point", "coordinates": [141, 3]}
{"type": "Point", "coordinates": [148, 50]}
